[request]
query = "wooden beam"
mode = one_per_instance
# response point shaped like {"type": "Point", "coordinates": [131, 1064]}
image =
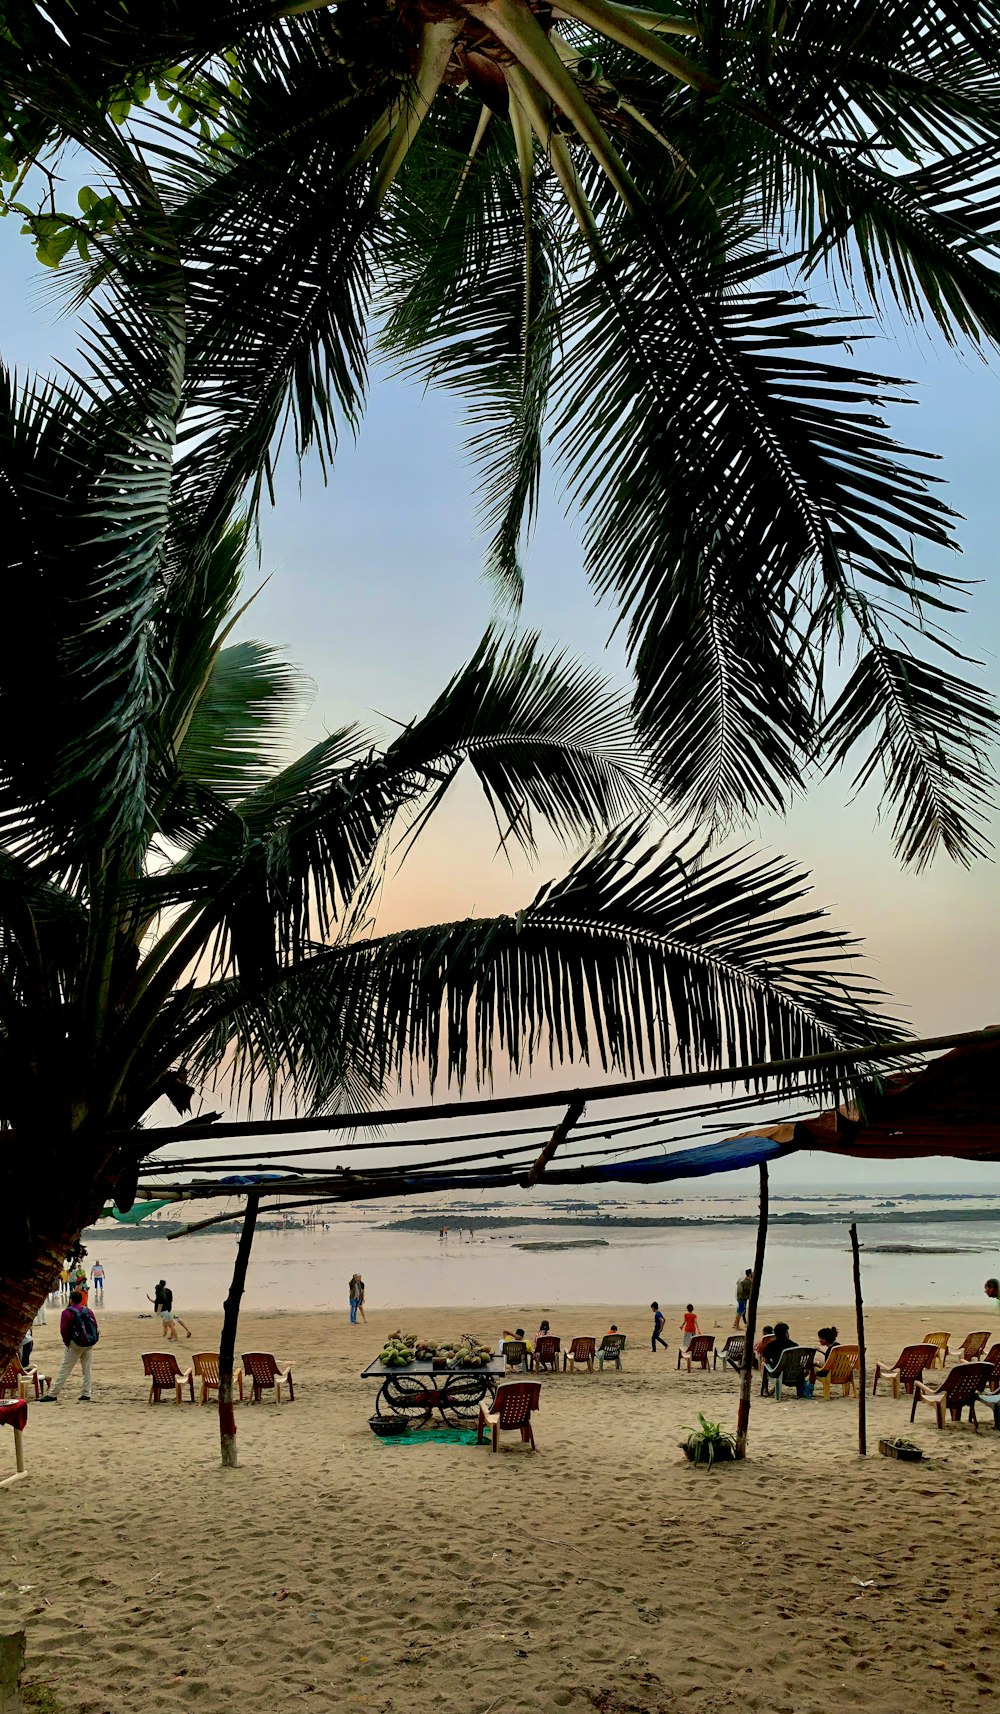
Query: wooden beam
{"type": "Point", "coordinates": [859, 1312]}
{"type": "Point", "coordinates": [759, 1071]}
{"type": "Point", "coordinates": [746, 1379]}
{"type": "Point", "coordinates": [573, 1113]}
{"type": "Point", "coordinates": [227, 1341]}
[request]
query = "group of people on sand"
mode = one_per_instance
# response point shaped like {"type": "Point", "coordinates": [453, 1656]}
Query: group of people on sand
{"type": "Point", "coordinates": [688, 1326]}
{"type": "Point", "coordinates": [73, 1277]}
{"type": "Point", "coordinates": [775, 1341]}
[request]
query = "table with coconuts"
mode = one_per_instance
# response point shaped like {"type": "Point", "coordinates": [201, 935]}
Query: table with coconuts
{"type": "Point", "coordinates": [420, 1377]}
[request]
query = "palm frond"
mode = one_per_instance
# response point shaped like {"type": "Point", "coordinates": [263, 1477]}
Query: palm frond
{"type": "Point", "coordinates": [545, 736]}
{"type": "Point", "coordinates": [278, 237]}
{"type": "Point", "coordinates": [644, 955]}
{"type": "Point", "coordinates": [929, 734]}
{"type": "Point", "coordinates": [43, 934]}
{"type": "Point", "coordinates": [470, 256]}
{"type": "Point", "coordinates": [740, 487]}
{"type": "Point", "coordinates": [239, 725]}
{"type": "Point", "coordinates": [284, 866]}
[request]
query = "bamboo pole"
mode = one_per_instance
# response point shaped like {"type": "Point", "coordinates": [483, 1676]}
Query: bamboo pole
{"type": "Point", "coordinates": [159, 1137]}
{"type": "Point", "coordinates": [746, 1379]}
{"type": "Point", "coordinates": [227, 1341]}
{"type": "Point", "coordinates": [863, 1370]}
{"type": "Point", "coordinates": [572, 1114]}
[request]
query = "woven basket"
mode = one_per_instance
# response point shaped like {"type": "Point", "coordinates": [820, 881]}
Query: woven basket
{"type": "Point", "coordinates": [387, 1427]}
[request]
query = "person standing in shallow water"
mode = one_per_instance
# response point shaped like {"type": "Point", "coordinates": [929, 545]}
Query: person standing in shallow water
{"type": "Point", "coordinates": [744, 1286]}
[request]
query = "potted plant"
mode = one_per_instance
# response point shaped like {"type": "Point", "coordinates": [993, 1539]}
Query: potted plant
{"type": "Point", "coordinates": [899, 1447]}
{"type": "Point", "coordinates": [709, 1444]}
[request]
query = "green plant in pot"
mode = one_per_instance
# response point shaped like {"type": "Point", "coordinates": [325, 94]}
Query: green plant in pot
{"type": "Point", "coordinates": [709, 1443]}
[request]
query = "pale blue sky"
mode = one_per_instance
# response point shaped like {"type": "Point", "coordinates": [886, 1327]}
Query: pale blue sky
{"type": "Point", "coordinates": [375, 589]}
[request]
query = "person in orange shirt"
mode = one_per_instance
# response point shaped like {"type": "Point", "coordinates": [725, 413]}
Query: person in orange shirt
{"type": "Point", "coordinates": [689, 1326]}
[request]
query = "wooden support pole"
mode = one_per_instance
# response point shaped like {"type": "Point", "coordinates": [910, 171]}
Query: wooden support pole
{"type": "Point", "coordinates": [227, 1341]}
{"type": "Point", "coordinates": [863, 1370]}
{"type": "Point", "coordinates": [571, 1117]}
{"type": "Point", "coordinates": [746, 1379]}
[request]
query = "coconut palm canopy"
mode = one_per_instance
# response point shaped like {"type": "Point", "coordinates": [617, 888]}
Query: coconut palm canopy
{"type": "Point", "coordinates": [181, 902]}
{"type": "Point", "coordinates": [586, 218]}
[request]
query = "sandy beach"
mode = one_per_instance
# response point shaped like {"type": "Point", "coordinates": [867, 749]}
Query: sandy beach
{"type": "Point", "coordinates": [334, 1571]}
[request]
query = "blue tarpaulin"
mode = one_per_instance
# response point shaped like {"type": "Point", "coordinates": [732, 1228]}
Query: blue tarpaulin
{"type": "Point", "coordinates": [699, 1162]}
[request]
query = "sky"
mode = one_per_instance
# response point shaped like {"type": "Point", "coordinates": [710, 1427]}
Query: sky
{"type": "Point", "coordinates": [375, 588]}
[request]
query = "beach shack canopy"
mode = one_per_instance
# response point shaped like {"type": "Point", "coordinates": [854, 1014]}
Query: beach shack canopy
{"type": "Point", "coordinates": [951, 1107]}
{"type": "Point", "coordinates": [944, 1106]}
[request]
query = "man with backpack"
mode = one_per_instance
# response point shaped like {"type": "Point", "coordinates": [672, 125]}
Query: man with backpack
{"type": "Point", "coordinates": [79, 1331]}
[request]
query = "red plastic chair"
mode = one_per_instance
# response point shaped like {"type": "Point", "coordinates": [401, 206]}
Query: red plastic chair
{"type": "Point", "coordinates": [961, 1387]}
{"type": "Point", "coordinates": [512, 1408]}
{"type": "Point", "coordinates": [547, 1352]}
{"type": "Point", "coordinates": [581, 1351]}
{"type": "Point", "coordinates": [700, 1349]}
{"type": "Point", "coordinates": [906, 1370]}
{"type": "Point", "coordinates": [993, 1358]}
{"type": "Point", "coordinates": [165, 1373]}
{"type": "Point", "coordinates": [15, 1416]}
{"type": "Point", "coordinates": [15, 1381]}
{"type": "Point", "coordinates": [261, 1369]}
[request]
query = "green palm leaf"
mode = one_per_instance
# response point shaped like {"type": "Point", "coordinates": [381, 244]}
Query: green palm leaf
{"type": "Point", "coordinates": [545, 737]}
{"type": "Point", "coordinates": [644, 955]}
{"type": "Point", "coordinates": [471, 256]}
{"type": "Point", "coordinates": [929, 736]}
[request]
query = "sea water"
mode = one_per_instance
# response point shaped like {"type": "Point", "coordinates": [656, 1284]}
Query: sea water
{"type": "Point", "coordinates": [915, 1251]}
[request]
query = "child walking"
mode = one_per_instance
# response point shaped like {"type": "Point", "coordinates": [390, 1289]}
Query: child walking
{"type": "Point", "coordinates": [658, 1319]}
{"type": "Point", "coordinates": [689, 1325]}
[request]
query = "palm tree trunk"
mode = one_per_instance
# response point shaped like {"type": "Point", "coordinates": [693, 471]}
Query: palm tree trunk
{"type": "Point", "coordinates": [49, 1191]}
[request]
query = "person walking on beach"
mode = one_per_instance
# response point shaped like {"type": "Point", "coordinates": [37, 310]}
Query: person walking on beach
{"type": "Point", "coordinates": [97, 1281]}
{"type": "Point", "coordinates": [744, 1286]}
{"type": "Point", "coordinates": [658, 1320]}
{"type": "Point", "coordinates": [992, 1290]}
{"type": "Point", "coordinates": [356, 1298]}
{"type": "Point", "coordinates": [689, 1325]}
{"type": "Point", "coordinates": [79, 1332]}
{"type": "Point", "coordinates": [163, 1306]}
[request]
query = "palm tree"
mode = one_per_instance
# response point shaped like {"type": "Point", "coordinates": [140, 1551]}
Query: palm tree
{"type": "Point", "coordinates": [181, 905]}
{"type": "Point", "coordinates": [584, 216]}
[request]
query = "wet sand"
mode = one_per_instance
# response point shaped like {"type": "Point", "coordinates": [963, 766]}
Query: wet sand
{"type": "Point", "coordinates": [335, 1572]}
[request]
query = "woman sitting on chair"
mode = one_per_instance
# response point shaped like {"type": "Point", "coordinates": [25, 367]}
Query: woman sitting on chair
{"type": "Point", "coordinates": [827, 1337]}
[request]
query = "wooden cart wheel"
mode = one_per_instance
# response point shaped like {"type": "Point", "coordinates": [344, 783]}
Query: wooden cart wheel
{"type": "Point", "coordinates": [461, 1399]}
{"type": "Point", "coordinates": [406, 1395]}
